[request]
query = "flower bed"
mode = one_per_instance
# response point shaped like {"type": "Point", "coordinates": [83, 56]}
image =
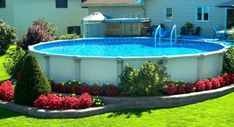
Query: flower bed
{"type": "Point", "coordinates": [74, 87]}
{"type": "Point", "coordinates": [55, 102]}
{"type": "Point", "coordinates": [200, 85]}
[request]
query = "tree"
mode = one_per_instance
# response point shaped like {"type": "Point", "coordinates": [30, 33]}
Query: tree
{"type": "Point", "coordinates": [32, 83]}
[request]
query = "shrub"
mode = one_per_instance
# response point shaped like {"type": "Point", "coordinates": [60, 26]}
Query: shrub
{"type": "Point", "coordinates": [51, 101]}
{"type": "Point", "coordinates": [50, 27]}
{"type": "Point", "coordinates": [228, 66]}
{"type": "Point", "coordinates": [32, 83]}
{"type": "Point", "coordinates": [189, 88]}
{"type": "Point", "coordinates": [97, 102]}
{"type": "Point", "coordinates": [215, 83]}
{"type": "Point", "coordinates": [70, 103]}
{"type": "Point", "coordinates": [180, 89]}
{"type": "Point", "coordinates": [36, 33]}
{"type": "Point", "coordinates": [55, 102]}
{"type": "Point", "coordinates": [85, 101]}
{"type": "Point", "coordinates": [110, 90]}
{"type": "Point", "coordinates": [68, 37]}
{"type": "Point", "coordinates": [96, 90]}
{"type": "Point", "coordinates": [208, 84]}
{"type": "Point", "coordinates": [200, 85]}
{"type": "Point", "coordinates": [65, 88]}
{"type": "Point", "coordinates": [14, 60]}
{"type": "Point", "coordinates": [7, 36]}
{"type": "Point", "coordinates": [148, 80]}
{"type": "Point", "coordinates": [170, 89]}
{"type": "Point", "coordinates": [221, 81]}
{"type": "Point", "coordinates": [85, 88]}
{"type": "Point", "coordinates": [6, 91]}
{"type": "Point", "coordinates": [125, 79]}
{"type": "Point", "coordinates": [227, 79]}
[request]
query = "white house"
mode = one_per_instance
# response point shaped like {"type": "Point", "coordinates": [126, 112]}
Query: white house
{"type": "Point", "coordinates": [203, 13]}
{"type": "Point", "coordinates": [66, 15]}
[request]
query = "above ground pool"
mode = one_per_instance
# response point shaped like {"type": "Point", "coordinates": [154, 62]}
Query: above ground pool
{"type": "Point", "coordinates": [103, 59]}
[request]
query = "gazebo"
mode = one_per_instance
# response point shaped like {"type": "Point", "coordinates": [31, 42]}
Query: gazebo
{"type": "Point", "coordinates": [93, 25]}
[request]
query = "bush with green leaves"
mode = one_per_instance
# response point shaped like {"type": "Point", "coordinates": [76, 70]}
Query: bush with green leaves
{"type": "Point", "coordinates": [148, 80]}
{"type": "Point", "coordinates": [38, 32]}
{"type": "Point", "coordinates": [32, 83]}
{"type": "Point", "coordinates": [7, 36]}
{"type": "Point", "coordinates": [14, 61]}
{"type": "Point", "coordinates": [97, 102]}
{"type": "Point", "coordinates": [68, 37]}
{"type": "Point", "coordinates": [125, 79]}
{"type": "Point", "coordinates": [228, 65]}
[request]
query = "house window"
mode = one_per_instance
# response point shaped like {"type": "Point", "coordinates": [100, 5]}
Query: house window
{"type": "Point", "coordinates": [61, 3]}
{"type": "Point", "coordinates": [83, 1]}
{"type": "Point", "coordinates": [203, 13]}
{"type": "Point", "coordinates": [2, 3]}
{"type": "Point", "coordinates": [73, 30]}
{"type": "Point", "coordinates": [168, 14]}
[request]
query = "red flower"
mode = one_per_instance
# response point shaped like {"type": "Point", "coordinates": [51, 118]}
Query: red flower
{"type": "Point", "coordinates": [221, 81]}
{"type": "Point", "coordinates": [189, 88]}
{"type": "Point", "coordinates": [232, 78]}
{"type": "Point", "coordinates": [85, 88]}
{"type": "Point", "coordinates": [111, 90]}
{"type": "Point", "coordinates": [227, 79]}
{"type": "Point", "coordinates": [70, 103]}
{"type": "Point", "coordinates": [170, 89]}
{"type": "Point", "coordinates": [54, 102]}
{"type": "Point", "coordinates": [76, 89]}
{"type": "Point", "coordinates": [180, 89]}
{"type": "Point", "coordinates": [208, 84]}
{"type": "Point", "coordinates": [96, 91]}
{"type": "Point", "coordinates": [200, 85]}
{"type": "Point", "coordinates": [85, 101]}
{"type": "Point", "coordinates": [6, 91]}
{"type": "Point", "coordinates": [215, 83]}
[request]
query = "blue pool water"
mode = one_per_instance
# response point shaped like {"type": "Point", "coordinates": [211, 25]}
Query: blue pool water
{"type": "Point", "coordinates": [126, 47]}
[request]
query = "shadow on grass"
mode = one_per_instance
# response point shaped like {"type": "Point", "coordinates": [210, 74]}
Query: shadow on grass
{"type": "Point", "coordinates": [130, 113]}
{"type": "Point", "coordinates": [8, 114]}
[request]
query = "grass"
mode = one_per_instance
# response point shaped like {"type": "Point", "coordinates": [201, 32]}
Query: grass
{"type": "Point", "coordinates": [3, 74]}
{"type": "Point", "coordinates": [212, 113]}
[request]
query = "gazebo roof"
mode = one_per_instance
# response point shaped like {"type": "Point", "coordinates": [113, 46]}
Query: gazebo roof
{"type": "Point", "coordinates": [96, 16]}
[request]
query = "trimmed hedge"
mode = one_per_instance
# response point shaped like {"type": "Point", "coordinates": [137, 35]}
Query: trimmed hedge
{"type": "Point", "coordinates": [32, 83]}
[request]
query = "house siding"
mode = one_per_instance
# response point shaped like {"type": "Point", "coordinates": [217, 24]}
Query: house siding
{"type": "Point", "coordinates": [183, 11]}
{"type": "Point", "coordinates": [24, 12]}
{"type": "Point", "coordinates": [6, 14]}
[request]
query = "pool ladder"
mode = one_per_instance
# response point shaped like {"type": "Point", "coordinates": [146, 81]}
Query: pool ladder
{"type": "Point", "coordinates": [173, 32]}
{"type": "Point", "coordinates": [158, 31]}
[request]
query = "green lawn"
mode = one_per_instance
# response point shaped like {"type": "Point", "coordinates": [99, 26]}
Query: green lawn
{"type": "Point", "coordinates": [3, 74]}
{"type": "Point", "coordinates": [212, 113]}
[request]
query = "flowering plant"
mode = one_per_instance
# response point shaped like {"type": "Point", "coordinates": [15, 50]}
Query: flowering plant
{"type": "Point", "coordinates": [170, 89]}
{"type": "Point", "coordinates": [7, 91]}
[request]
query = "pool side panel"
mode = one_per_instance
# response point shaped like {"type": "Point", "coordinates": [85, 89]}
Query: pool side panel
{"type": "Point", "coordinates": [99, 70]}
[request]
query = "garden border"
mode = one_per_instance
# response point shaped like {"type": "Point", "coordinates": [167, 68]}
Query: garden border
{"type": "Point", "coordinates": [119, 103]}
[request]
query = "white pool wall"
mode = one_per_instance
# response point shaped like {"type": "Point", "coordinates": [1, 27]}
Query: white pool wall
{"type": "Point", "coordinates": [188, 68]}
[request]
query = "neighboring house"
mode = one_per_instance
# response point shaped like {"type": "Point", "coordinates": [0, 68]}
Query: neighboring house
{"type": "Point", "coordinates": [203, 13]}
{"type": "Point", "coordinates": [66, 15]}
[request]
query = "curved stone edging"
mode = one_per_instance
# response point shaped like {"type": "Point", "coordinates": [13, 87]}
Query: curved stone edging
{"type": "Point", "coordinates": [119, 103]}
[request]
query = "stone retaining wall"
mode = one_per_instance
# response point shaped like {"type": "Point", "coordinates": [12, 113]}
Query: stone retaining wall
{"type": "Point", "coordinates": [119, 103]}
